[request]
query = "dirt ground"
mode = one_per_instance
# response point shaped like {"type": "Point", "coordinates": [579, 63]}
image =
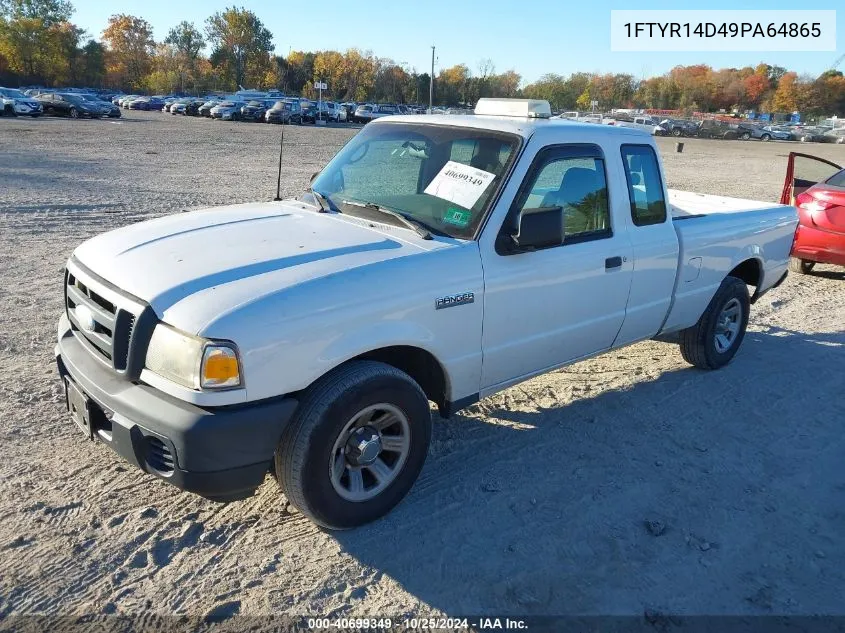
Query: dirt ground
{"type": "Point", "coordinates": [626, 483]}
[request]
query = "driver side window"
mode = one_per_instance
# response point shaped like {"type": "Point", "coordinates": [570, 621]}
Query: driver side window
{"type": "Point", "coordinates": [572, 178]}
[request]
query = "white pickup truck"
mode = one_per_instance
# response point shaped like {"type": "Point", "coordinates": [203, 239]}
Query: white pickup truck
{"type": "Point", "coordinates": [438, 258]}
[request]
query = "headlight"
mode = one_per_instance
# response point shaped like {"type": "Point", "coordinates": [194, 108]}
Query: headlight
{"type": "Point", "coordinates": [192, 361]}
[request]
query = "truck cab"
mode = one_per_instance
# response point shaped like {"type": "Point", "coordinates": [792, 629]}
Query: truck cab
{"type": "Point", "coordinates": [436, 258]}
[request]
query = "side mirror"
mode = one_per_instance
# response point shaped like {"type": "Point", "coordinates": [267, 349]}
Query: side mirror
{"type": "Point", "coordinates": [538, 228]}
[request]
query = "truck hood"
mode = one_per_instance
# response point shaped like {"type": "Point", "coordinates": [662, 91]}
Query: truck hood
{"type": "Point", "coordinates": [194, 267]}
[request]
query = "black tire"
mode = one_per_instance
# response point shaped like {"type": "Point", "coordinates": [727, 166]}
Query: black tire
{"type": "Point", "coordinates": [304, 451]}
{"type": "Point", "coordinates": [676, 131]}
{"type": "Point", "coordinates": [73, 113]}
{"type": "Point", "coordinates": [745, 136]}
{"type": "Point", "coordinates": [800, 266]}
{"type": "Point", "coordinates": [698, 343]}
{"type": "Point", "coordinates": [9, 110]}
{"type": "Point", "coordinates": [766, 138]}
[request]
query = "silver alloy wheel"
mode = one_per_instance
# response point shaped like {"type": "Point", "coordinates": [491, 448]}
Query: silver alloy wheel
{"type": "Point", "coordinates": [370, 452]}
{"type": "Point", "coordinates": [727, 325]}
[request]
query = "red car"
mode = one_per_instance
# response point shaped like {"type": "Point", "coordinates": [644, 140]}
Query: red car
{"type": "Point", "coordinates": [817, 188]}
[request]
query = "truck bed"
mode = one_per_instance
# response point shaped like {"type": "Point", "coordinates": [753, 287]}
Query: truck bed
{"type": "Point", "coordinates": [687, 204]}
{"type": "Point", "coordinates": [730, 229]}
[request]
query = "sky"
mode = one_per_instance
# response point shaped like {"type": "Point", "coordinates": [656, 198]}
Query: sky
{"type": "Point", "coordinates": [534, 38]}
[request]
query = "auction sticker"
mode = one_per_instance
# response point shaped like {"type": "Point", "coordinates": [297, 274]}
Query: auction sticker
{"type": "Point", "coordinates": [459, 183]}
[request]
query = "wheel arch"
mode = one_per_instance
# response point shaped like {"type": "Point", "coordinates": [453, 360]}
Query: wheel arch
{"type": "Point", "coordinates": [419, 364]}
{"type": "Point", "coordinates": [749, 270]}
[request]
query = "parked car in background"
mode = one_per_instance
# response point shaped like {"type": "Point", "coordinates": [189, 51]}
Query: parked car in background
{"type": "Point", "coordinates": [106, 107]}
{"type": "Point", "coordinates": [679, 127]}
{"type": "Point", "coordinates": [285, 111]}
{"type": "Point", "coordinates": [644, 123]}
{"type": "Point", "coordinates": [835, 136]}
{"type": "Point", "coordinates": [206, 107]}
{"type": "Point", "coordinates": [816, 186]}
{"type": "Point", "coordinates": [334, 112]}
{"type": "Point", "coordinates": [140, 103]}
{"type": "Point", "coordinates": [812, 134]}
{"type": "Point", "coordinates": [227, 110]}
{"type": "Point", "coordinates": [349, 108]}
{"type": "Point", "coordinates": [710, 128]}
{"type": "Point", "coordinates": [125, 100]}
{"type": "Point", "coordinates": [308, 111]}
{"type": "Point", "coordinates": [369, 112]}
{"type": "Point", "coordinates": [176, 107]}
{"type": "Point", "coordinates": [14, 103]}
{"type": "Point", "coordinates": [253, 110]}
{"type": "Point", "coordinates": [68, 104]}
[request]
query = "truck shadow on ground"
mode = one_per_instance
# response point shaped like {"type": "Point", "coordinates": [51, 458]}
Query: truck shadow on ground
{"type": "Point", "coordinates": [676, 493]}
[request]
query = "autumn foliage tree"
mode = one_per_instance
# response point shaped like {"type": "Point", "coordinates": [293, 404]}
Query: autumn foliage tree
{"type": "Point", "coordinates": [241, 45]}
{"type": "Point", "coordinates": [130, 48]}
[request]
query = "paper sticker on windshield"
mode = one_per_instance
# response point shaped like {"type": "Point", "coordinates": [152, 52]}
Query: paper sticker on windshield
{"type": "Point", "coordinates": [460, 184]}
{"type": "Point", "coordinates": [457, 217]}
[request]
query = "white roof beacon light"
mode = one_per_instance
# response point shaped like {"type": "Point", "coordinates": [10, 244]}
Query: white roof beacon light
{"type": "Point", "coordinates": [528, 108]}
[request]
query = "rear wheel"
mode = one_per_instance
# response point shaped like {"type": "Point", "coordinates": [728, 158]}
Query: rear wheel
{"type": "Point", "coordinates": [355, 446]}
{"type": "Point", "coordinates": [745, 136]}
{"type": "Point", "coordinates": [800, 266]}
{"type": "Point", "coordinates": [715, 339]}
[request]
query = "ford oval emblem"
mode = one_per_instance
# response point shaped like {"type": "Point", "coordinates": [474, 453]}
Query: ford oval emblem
{"type": "Point", "coordinates": [85, 317]}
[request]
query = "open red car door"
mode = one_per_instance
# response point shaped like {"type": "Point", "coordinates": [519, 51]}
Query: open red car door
{"type": "Point", "coordinates": [802, 172]}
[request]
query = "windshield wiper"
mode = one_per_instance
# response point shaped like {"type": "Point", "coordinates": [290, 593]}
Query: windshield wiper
{"type": "Point", "coordinates": [415, 225]}
{"type": "Point", "coordinates": [323, 201]}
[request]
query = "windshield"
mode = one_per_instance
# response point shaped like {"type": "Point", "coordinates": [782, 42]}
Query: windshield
{"type": "Point", "coordinates": [442, 177]}
{"type": "Point", "coordinates": [12, 93]}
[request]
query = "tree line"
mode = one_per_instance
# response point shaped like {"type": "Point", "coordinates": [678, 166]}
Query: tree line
{"type": "Point", "coordinates": [39, 45]}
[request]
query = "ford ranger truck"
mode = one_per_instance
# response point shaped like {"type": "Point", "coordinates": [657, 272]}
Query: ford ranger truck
{"type": "Point", "coordinates": [434, 259]}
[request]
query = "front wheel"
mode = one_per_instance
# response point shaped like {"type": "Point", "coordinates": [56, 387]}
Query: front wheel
{"type": "Point", "coordinates": [800, 266]}
{"type": "Point", "coordinates": [74, 113]}
{"type": "Point", "coordinates": [715, 339]}
{"type": "Point", "coordinates": [745, 136]}
{"type": "Point", "coordinates": [765, 138]}
{"type": "Point", "coordinates": [355, 446]}
{"type": "Point", "coordinates": [9, 110]}
{"type": "Point", "coordinates": [676, 131]}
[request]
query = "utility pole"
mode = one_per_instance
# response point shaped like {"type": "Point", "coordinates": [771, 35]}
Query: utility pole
{"type": "Point", "coordinates": [431, 84]}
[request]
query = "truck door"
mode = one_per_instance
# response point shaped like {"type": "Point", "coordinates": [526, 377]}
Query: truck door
{"type": "Point", "coordinates": [565, 301]}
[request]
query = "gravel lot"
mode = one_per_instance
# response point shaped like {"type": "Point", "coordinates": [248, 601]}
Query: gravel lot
{"type": "Point", "coordinates": [621, 484]}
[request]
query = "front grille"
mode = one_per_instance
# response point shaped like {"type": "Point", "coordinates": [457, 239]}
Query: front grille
{"type": "Point", "coordinates": [158, 455]}
{"type": "Point", "coordinates": [103, 327]}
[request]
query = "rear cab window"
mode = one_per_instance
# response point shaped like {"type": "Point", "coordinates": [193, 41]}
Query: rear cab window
{"type": "Point", "coordinates": [645, 186]}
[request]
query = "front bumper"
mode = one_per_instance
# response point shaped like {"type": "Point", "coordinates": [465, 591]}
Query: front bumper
{"type": "Point", "coordinates": [25, 109]}
{"type": "Point", "coordinates": [220, 453]}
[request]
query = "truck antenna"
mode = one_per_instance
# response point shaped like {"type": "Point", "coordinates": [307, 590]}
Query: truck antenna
{"type": "Point", "coordinates": [279, 178]}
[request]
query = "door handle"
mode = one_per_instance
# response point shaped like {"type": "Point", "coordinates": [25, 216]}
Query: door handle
{"type": "Point", "coordinates": [613, 262]}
